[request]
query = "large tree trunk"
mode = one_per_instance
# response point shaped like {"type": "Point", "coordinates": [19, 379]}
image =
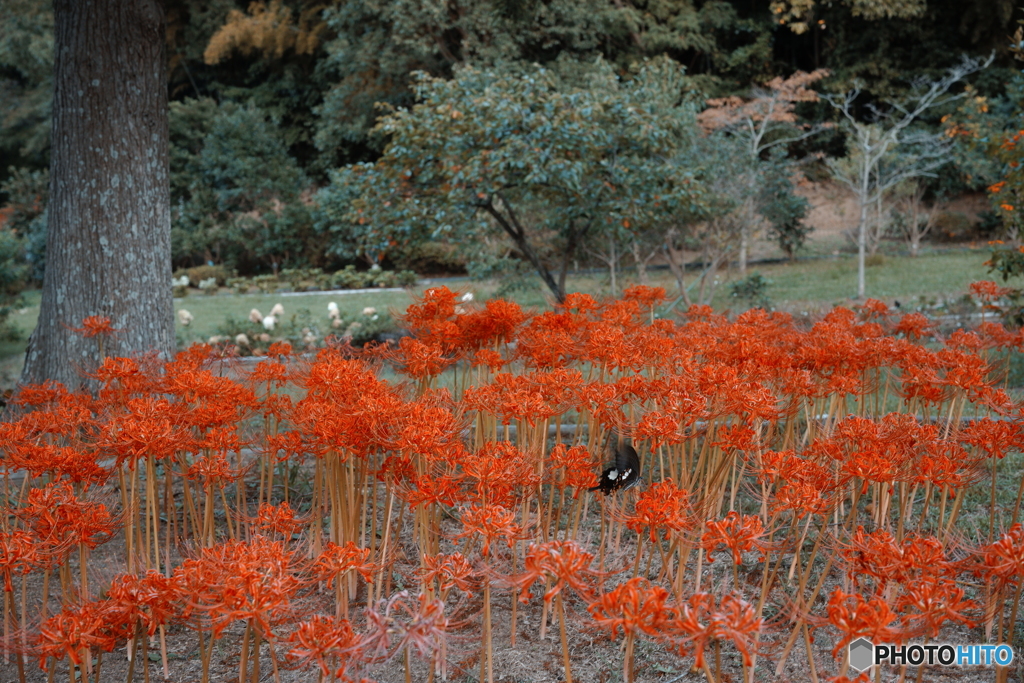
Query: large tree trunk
{"type": "Point", "coordinates": [108, 248]}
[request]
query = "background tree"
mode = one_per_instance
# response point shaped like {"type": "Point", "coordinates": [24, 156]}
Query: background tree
{"type": "Point", "coordinates": [108, 244]}
{"type": "Point", "coordinates": [236, 193]}
{"type": "Point", "coordinates": [890, 149]}
{"type": "Point", "coordinates": [714, 234]}
{"type": "Point", "coordinates": [374, 46]}
{"type": "Point", "coordinates": [315, 70]}
{"type": "Point", "coordinates": [539, 157]}
{"type": "Point", "coordinates": [764, 122]}
{"type": "Point", "coordinates": [26, 82]}
{"type": "Point", "coordinates": [785, 212]}
{"type": "Point", "coordinates": [916, 218]}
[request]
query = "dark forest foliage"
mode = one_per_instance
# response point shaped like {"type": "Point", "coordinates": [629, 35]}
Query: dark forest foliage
{"type": "Point", "coordinates": [274, 101]}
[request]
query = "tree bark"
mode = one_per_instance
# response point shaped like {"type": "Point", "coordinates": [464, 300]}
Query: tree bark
{"type": "Point", "coordinates": [108, 248]}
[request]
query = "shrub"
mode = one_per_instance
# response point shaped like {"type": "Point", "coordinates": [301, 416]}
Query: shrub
{"type": "Point", "coordinates": [13, 273]}
{"type": "Point", "coordinates": [198, 274]}
{"type": "Point", "coordinates": [434, 257]}
{"type": "Point", "coordinates": [752, 289]}
{"type": "Point", "coordinates": [953, 226]}
{"type": "Point", "coordinates": [27, 196]}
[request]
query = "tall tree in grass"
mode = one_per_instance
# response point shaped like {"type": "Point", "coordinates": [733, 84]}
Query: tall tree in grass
{"type": "Point", "coordinates": [891, 146]}
{"type": "Point", "coordinates": [549, 162]}
{"type": "Point", "coordinates": [108, 246]}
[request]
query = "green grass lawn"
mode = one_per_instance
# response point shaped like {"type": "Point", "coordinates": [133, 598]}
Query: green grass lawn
{"type": "Point", "coordinates": [808, 285]}
{"type": "Point", "coordinates": [210, 312]}
{"type": "Point", "coordinates": [833, 281]}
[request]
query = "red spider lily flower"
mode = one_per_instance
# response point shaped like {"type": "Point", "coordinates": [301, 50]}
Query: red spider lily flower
{"type": "Point", "coordinates": [335, 560]}
{"type": "Point", "coordinates": [579, 302]}
{"type": "Point", "coordinates": [995, 336]}
{"type": "Point", "coordinates": [213, 469]}
{"type": "Point", "coordinates": [235, 581]}
{"type": "Point", "coordinates": [699, 624]}
{"type": "Point", "coordinates": [914, 326]}
{"type": "Point", "coordinates": [277, 405]}
{"type": "Point", "coordinates": [396, 625]}
{"type": "Point", "coordinates": [149, 427]}
{"type": "Point", "coordinates": [647, 297]}
{"type": "Point", "coordinates": [497, 323]}
{"type": "Point", "coordinates": [576, 467]}
{"type": "Point", "coordinates": [1003, 560]}
{"type": "Point", "coordinates": [551, 340]}
{"type": "Point", "coordinates": [430, 489]}
{"type": "Point", "coordinates": [270, 373]}
{"type": "Point", "coordinates": [448, 570]}
{"type": "Point", "coordinates": [489, 357]}
{"type": "Point", "coordinates": [426, 627]}
{"type": "Point", "coordinates": [802, 486]}
{"type": "Point", "coordinates": [736, 437]}
{"type": "Point", "coordinates": [281, 349]}
{"type": "Point", "coordinates": [880, 556]}
{"type": "Point", "coordinates": [152, 599]}
{"type": "Point", "coordinates": [95, 325]}
{"type": "Point", "coordinates": [532, 397]}
{"type": "Point", "coordinates": [328, 642]}
{"type": "Point", "coordinates": [207, 400]}
{"type": "Point", "coordinates": [437, 304]}
{"type": "Point", "coordinates": [562, 561]}
{"type": "Point", "coordinates": [19, 554]}
{"type": "Point", "coordinates": [737, 533]}
{"type": "Point", "coordinates": [662, 507]}
{"type": "Point", "coordinates": [946, 464]}
{"type": "Point", "coordinates": [492, 522]}
{"type": "Point", "coordinates": [428, 425]}
{"type": "Point", "coordinates": [873, 308]}
{"type": "Point", "coordinates": [854, 617]}
{"type": "Point", "coordinates": [874, 450]}
{"type": "Point", "coordinates": [636, 606]}
{"type": "Point", "coordinates": [76, 630]}
{"type": "Point", "coordinates": [58, 517]}
{"type": "Point", "coordinates": [122, 378]}
{"type": "Point", "coordinates": [39, 395]}
{"type": "Point", "coordinates": [279, 519]}
{"type": "Point", "coordinates": [495, 472]}
{"type": "Point", "coordinates": [994, 437]}
{"type": "Point", "coordinates": [936, 601]}
{"type": "Point", "coordinates": [659, 428]}
{"type": "Point", "coordinates": [986, 290]}
{"type": "Point", "coordinates": [60, 462]}
{"type": "Point", "coordinates": [420, 360]}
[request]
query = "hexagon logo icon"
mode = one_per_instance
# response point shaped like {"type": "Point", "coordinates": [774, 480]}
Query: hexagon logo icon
{"type": "Point", "coordinates": [862, 654]}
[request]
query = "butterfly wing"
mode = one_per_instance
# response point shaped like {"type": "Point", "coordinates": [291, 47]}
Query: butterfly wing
{"type": "Point", "coordinates": [623, 473]}
{"type": "Point", "coordinates": [628, 463]}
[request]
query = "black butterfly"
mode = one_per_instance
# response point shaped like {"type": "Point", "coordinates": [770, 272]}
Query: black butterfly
{"type": "Point", "coordinates": [622, 474]}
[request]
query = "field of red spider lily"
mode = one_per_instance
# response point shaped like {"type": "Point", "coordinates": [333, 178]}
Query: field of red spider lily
{"type": "Point", "coordinates": [305, 519]}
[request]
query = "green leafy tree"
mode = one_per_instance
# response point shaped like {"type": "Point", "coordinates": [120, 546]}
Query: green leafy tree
{"type": "Point", "coordinates": [550, 161]}
{"type": "Point", "coordinates": [13, 275]}
{"type": "Point", "coordinates": [375, 45]}
{"type": "Point", "coordinates": [236, 192]}
{"type": "Point", "coordinates": [26, 81]}
{"type": "Point", "coordinates": [784, 210]}
{"type": "Point", "coordinates": [27, 196]}
{"type": "Point", "coordinates": [766, 122]}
